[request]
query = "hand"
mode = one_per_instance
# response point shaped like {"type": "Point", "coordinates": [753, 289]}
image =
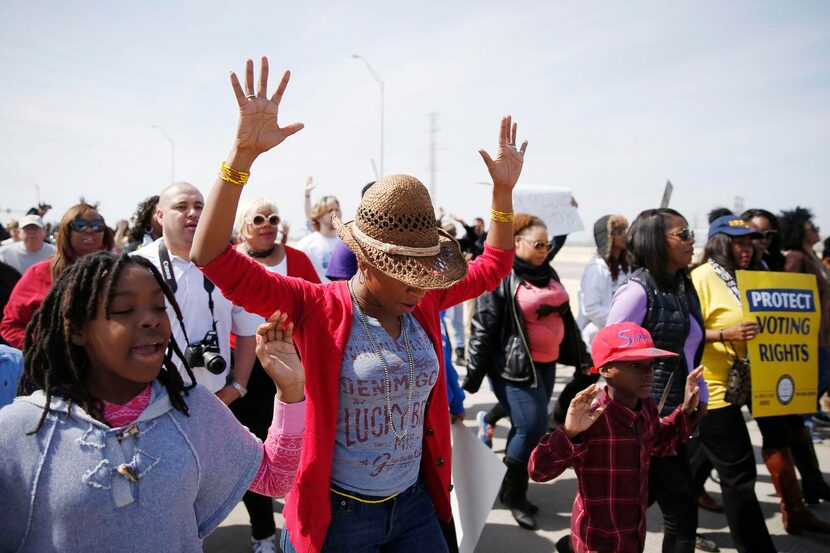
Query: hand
{"type": "Point", "coordinates": [741, 332]}
{"type": "Point", "coordinates": [278, 356]}
{"type": "Point", "coordinates": [228, 394]}
{"type": "Point", "coordinates": [258, 130]}
{"type": "Point", "coordinates": [691, 396]}
{"type": "Point", "coordinates": [456, 418]}
{"type": "Point", "coordinates": [309, 186]}
{"type": "Point", "coordinates": [284, 228]}
{"type": "Point", "coordinates": [507, 166]}
{"type": "Point", "coordinates": [580, 415]}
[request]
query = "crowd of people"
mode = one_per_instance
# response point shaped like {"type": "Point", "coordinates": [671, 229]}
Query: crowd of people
{"type": "Point", "coordinates": [159, 372]}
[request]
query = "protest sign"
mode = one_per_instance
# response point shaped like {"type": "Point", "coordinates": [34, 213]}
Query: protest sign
{"type": "Point", "coordinates": [476, 474]}
{"type": "Point", "coordinates": [552, 204]}
{"type": "Point", "coordinates": [783, 356]}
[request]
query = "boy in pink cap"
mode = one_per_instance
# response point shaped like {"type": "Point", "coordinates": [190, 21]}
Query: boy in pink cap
{"type": "Point", "coordinates": [608, 438]}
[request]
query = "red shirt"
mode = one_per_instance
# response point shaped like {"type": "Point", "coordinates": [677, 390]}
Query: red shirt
{"type": "Point", "coordinates": [322, 315]}
{"type": "Point", "coordinates": [611, 461]}
{"type": "Point", "coordinates": [26, 298]}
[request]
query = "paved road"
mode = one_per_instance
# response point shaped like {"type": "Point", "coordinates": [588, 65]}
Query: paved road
{"type": "Point", "coordinates": [555, 498]}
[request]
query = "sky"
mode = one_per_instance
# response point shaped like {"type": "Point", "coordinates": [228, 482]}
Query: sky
{"type": "Point", "coordinates": [726, 99]}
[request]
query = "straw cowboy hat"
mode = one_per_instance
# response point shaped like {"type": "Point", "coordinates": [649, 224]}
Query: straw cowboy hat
{"type": "Point", "coordinates": [394, 231]}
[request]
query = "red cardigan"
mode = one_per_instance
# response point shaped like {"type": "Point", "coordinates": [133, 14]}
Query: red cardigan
{"type": "Point", "coordinates": [26, 298]}
{"type": "Point", "coordinates": [322, 315]}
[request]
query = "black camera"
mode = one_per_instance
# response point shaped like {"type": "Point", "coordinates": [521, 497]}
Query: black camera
{"type": "Point", "coordinates": [206, 354]}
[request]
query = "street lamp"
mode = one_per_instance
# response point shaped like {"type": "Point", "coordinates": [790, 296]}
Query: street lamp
{"type": "Point", "coordinates": [172, 152]}
{"type": "Point", "coordinates": [380, 83]}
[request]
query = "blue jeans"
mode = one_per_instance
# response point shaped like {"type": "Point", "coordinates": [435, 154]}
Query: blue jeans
{"type": "Point", "coordinates": [528, 410]}
{"type": "Point", "coordinates": [406, 523]}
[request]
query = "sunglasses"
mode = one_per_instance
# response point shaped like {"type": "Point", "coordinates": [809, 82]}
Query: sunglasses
{"type": "Point", "coordinates": [538, 245]}
{"type": "Point", "coordinates": [684, 234]}
{"type": "Point", "coordinates": [259, 220]}
{"type": "Point", "coordinates": [80, 225]}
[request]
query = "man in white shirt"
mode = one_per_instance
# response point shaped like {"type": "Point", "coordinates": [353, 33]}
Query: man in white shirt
{"type": "Point", "coordinates": [179, 208]}
{"type": "Point", "coordinates": [30, 247]}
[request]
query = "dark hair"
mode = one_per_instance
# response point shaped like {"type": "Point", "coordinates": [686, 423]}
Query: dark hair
{"type": "Point", "coordinates": [792, 228]}
{"type": "Point", "coordinates": [773, 256]}
{"type": "Point", "coordinates": [646, 244]}
{"type": "Point", "coordinates": [825, 253]}
{"type": "Point", "coordinates": [719, 249]}
{"type": "Point", "coordinates": [54, 364]}
{"type": "Point", "coordinates": [64, 255]}
{"type": "Point", "coordinates": [717, 213]}
{"type": "Point", "coordinates": [143, 219]}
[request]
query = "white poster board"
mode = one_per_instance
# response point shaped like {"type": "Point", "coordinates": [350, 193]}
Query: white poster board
{"type": "Point", "coordinates": [550, 203]}
{"type": "Point", "coordinates": [477, 474]}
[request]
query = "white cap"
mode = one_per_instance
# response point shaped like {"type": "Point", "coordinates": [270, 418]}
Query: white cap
{"type": "Point", "coordinates": [30, 220]}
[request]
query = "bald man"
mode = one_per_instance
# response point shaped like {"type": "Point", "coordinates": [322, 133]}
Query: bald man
{"type": "Point", "coordinates": [179, 208]}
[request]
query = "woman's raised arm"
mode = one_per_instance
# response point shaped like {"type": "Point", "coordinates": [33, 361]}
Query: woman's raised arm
{"type": "Point", "coordinates": [256, 133]}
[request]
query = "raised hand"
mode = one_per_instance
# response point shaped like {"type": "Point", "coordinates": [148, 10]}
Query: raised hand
{"type": "Point", "coordinates": [506, 168]}
{"type": "Point", "coordinates": [581, 415]}
{"type": "Point", "coordinates": [276, 352]}
{"type": "Point", "coordinates": [258, 130]}
{"type": "Point", "coordinates": [691, 395]}
{"type": "Point", "coordinates": [309, 185]}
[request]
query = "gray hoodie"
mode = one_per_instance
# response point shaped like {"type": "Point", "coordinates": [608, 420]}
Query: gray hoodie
{"type": "Point", "coordinates": [162, 483]}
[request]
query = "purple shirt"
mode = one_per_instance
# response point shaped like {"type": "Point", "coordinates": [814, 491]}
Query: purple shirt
{"type": "Point", "coordinates": [630, 304]}
{"type": "Point", "coordinates": [343, 264]}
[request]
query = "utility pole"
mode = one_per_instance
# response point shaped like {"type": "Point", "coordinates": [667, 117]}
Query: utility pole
{"type": "Point", "coordinates": [433, 185]}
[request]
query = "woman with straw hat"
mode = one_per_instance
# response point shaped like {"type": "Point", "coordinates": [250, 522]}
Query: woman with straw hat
{"type": "Point", "coordinates": [375, 466]}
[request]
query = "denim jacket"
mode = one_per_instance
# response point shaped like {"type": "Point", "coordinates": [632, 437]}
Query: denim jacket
{"type": "Point", "coordinates": [162, 483]}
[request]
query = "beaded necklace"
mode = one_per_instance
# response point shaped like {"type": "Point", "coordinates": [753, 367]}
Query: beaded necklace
{"type": "Point", "coordinates": [388, 380]}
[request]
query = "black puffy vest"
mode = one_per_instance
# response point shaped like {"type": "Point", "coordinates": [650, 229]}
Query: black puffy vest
{"type": "Point", "coordinates": [667, 319]}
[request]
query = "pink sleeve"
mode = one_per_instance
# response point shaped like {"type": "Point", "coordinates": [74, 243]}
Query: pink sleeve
{"type": "Point", "coordinates": [281, 457]}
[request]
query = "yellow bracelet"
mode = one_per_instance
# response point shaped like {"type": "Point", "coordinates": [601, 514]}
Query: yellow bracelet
{"type": "Point", "coordinates": [501, 216]}
{"type": "Point", "coordinates": [233, 176]}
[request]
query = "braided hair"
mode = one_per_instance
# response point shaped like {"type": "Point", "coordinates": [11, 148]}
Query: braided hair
{"type": "Point", "coordinates": [54, 364]}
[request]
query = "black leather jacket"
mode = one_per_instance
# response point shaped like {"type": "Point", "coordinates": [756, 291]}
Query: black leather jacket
{"type": "Point", "coordinates": [499, 346]}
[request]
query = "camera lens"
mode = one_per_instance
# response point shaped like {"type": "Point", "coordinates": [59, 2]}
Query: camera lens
{"type": "Point", "coordinates": [214, 362]}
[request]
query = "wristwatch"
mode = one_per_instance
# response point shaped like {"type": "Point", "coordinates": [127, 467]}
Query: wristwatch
{"type": "Point", "coordinates": [239, 388]}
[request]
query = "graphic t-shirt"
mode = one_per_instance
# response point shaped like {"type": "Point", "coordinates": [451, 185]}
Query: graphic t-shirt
{"type": "Point", "coordinates": [545, 327]}
{"type": "Point", "coordinates": [368, 457]}
{"type": "Point", "coordinates": [319, 249]}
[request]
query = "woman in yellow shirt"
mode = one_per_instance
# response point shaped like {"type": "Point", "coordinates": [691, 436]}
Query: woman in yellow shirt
{"type": "Point", "coordinates": [723, 435]}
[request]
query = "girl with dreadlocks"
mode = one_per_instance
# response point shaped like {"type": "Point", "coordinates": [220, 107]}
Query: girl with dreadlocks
{"type": "Point", "coordinates": [110, 439]}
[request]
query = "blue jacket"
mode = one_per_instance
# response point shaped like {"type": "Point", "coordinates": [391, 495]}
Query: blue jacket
{"type": "Point", "coordinates": [161, 484]}
{"type": "Point", "coordinates": [454, 392]}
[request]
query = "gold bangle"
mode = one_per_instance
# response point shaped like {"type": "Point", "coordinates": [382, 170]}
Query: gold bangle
{"type": "Point", "coordinates": [501, 216]}
{"type": "Point", "coordinates": [227, 174]}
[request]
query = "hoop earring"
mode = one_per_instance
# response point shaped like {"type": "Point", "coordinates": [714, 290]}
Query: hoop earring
{"type": "Point", "coordinates": [361, 277]}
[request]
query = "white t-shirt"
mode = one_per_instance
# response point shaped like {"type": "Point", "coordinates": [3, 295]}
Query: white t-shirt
{"type": "Point", "coordinates": [318, 248]}
{"type": "Point", "coordinates": [16, 255]}
{"type": "Point", "coordinates": [193, 301]}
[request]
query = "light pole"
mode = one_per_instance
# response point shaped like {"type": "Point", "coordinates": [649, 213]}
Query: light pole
{"type": "Point", "coordinates": [380, 83]}
{"type": "Point", "coordinates": [172, 152]}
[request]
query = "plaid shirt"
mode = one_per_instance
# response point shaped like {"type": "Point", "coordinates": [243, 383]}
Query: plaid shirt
{"type": "Point", "coordinates": [611, 461]}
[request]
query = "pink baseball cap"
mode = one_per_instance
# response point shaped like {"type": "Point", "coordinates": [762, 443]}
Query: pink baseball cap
{"type": "Point", "coordinates": [624, 342]}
